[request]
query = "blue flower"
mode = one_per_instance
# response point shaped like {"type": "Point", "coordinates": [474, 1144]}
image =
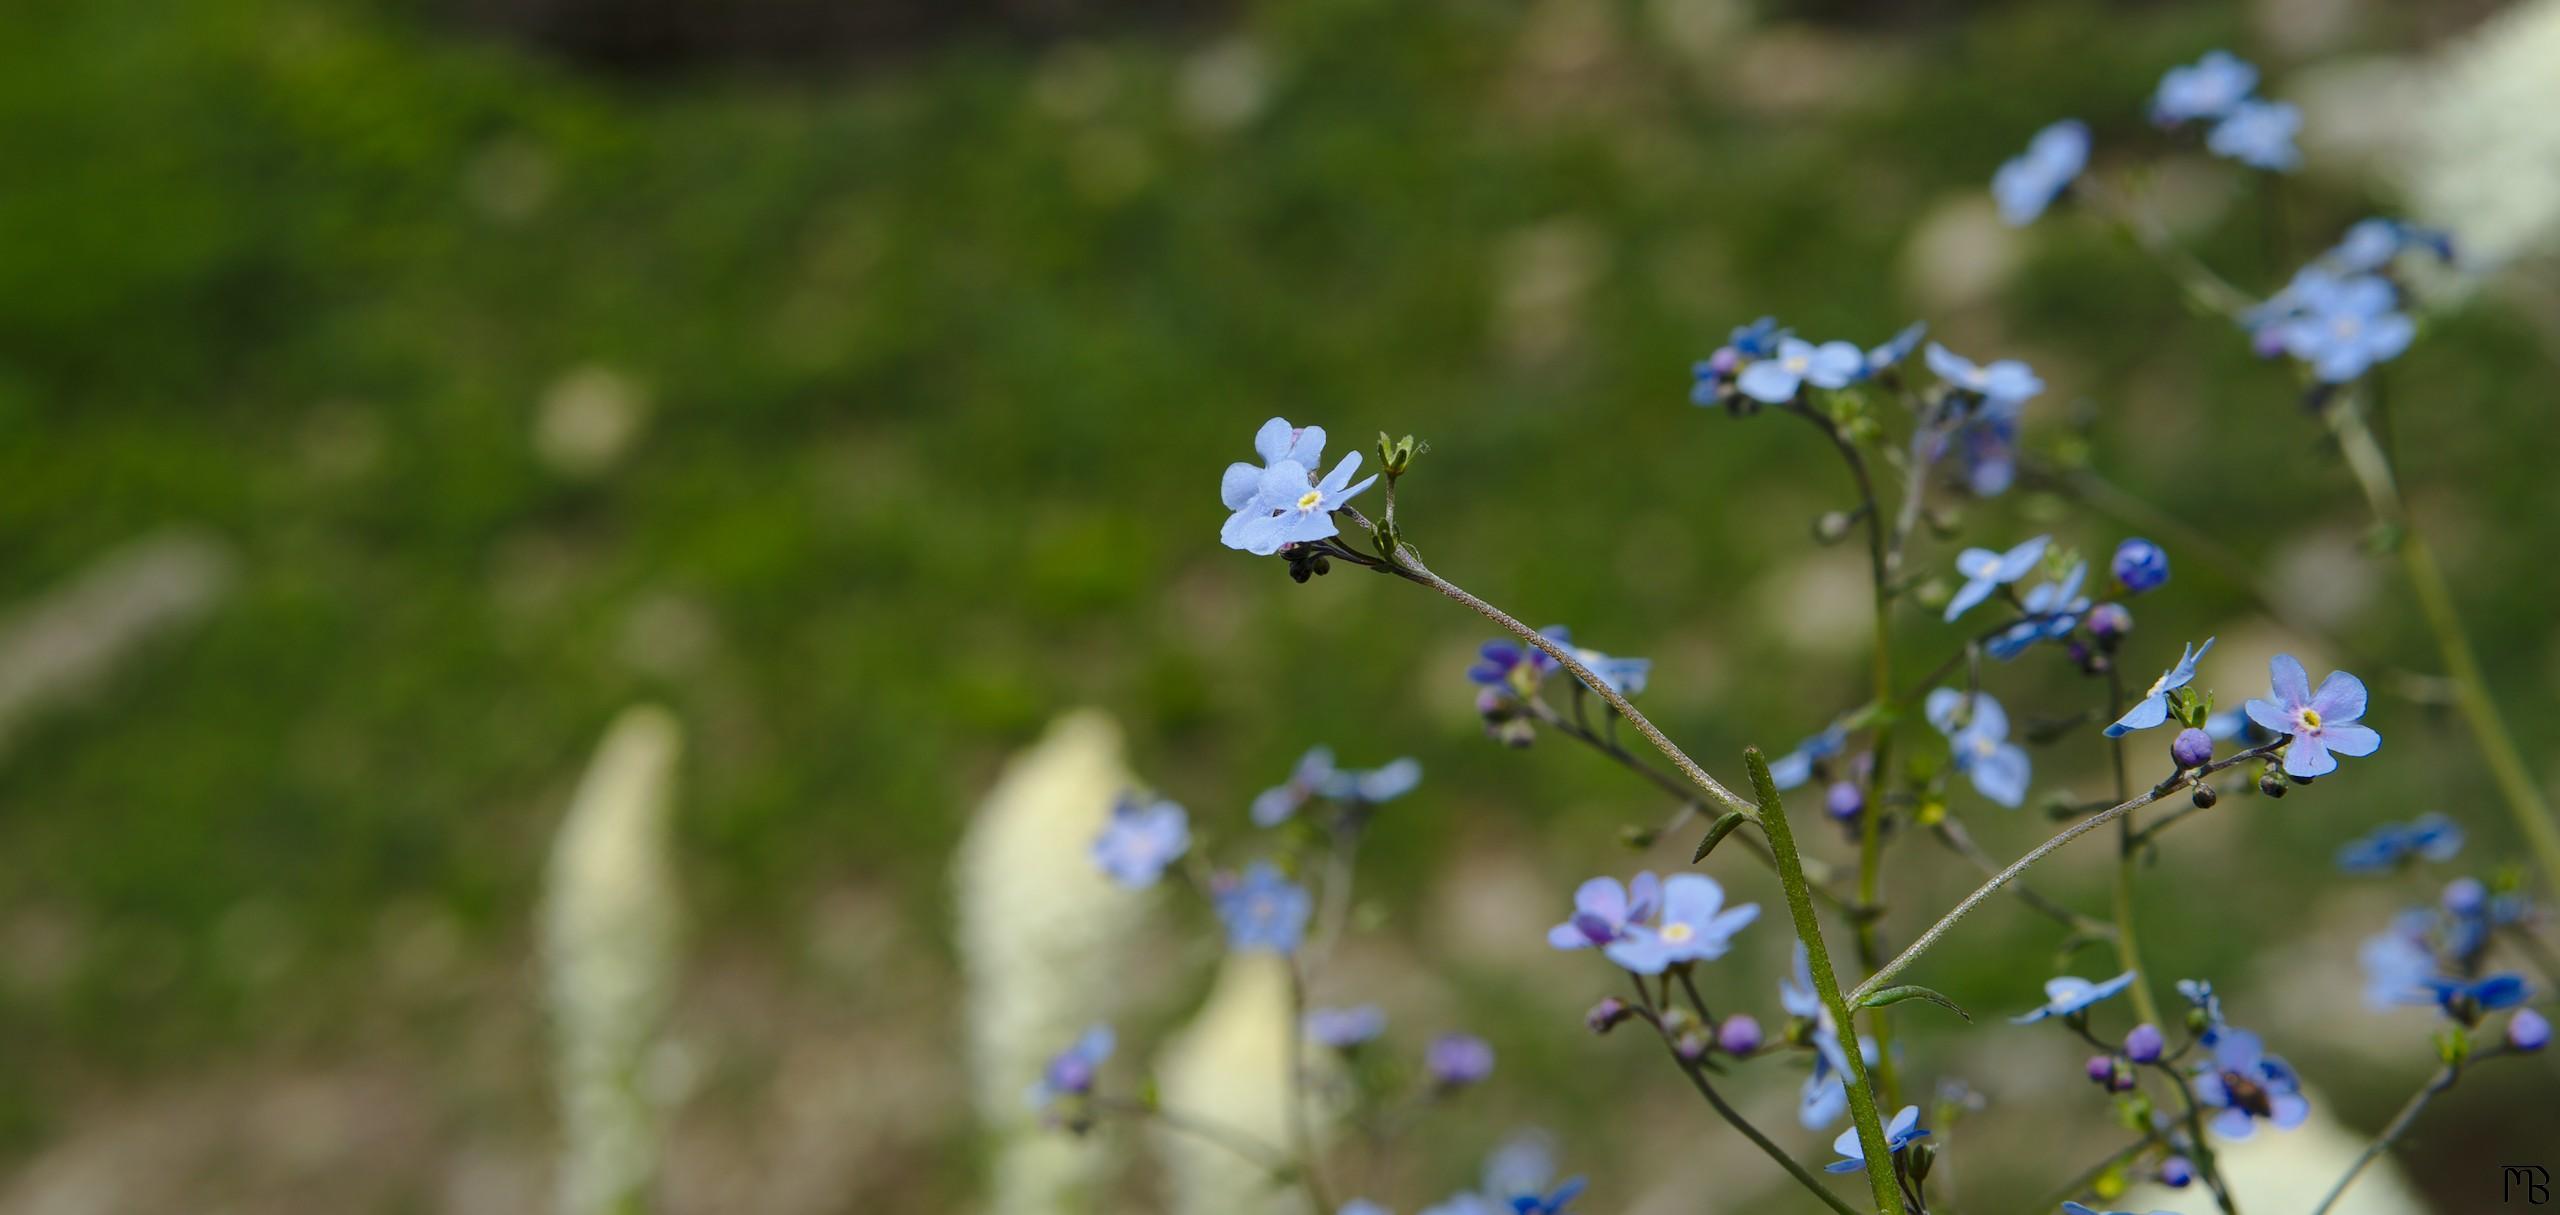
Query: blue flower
{"type": "Point", "coordinates": [1759, 339]}
{"type": "Point", "coordinates": [1695, 927]}
{"type": "Point", "coordinates": [1980, 744]}
{"type": "Point", "coordinates": [2247, 1084]}
{"type": "Point", "coordinates": [1776, 380]}
{"type": "Point", "coordinates": [1362, 1206]}
{"type": "Point", "coordinates": [1458, 1060]}
{"type": "Point", "coordinates": [1796, 767]}
{"type": "Point", "coordinates": [1140, 840]}
{"type": "Point", "coordinates": [1987, 441]}
{"type": "Point", "coordinates": [2490, 994]}
{"type": "Point", "coordinates": [1604, 911]}
{"type": "Point", "coordinates": [2069, 996]}
{"type": "Point", "coordinates": [1624, 676]}
{"type": "Point", "coordinates": [1825, 1095]}
{"type": "Point", "coordinates": [2528, 1031]}
{"type": "Point", "coordinates": [2082, 1208]}
{"type": "Point", "coordinates": [2052, 611]}
{"type": "Point", "coordinates": [2028, 183]}
{"type": "Point", "coordinates": [2140, 565]}
{"type": "Point", "coordinates": [1277, 443]}
{"type": "Point", "coordinates": [2432, 837]}
{"type": "Point", "coordinates": [1263, 911]}
{"type": "Point", "coordinates": [2208, 88]}
{"type": "Point", "coordinates": [2320, 723]}
{"type": "Point", "coordinates": [2348, 327]}
{"type": "Point", "coordinates": [2004, 380]}
{"type": "Point", "coordinates": [1896, 348]}
{"type": "Point", "coordinates": [1071, 1072]}
{"type": "Point", "coordinates": [1283, 503]}
{"type": "Point", "coordinates": [1313, 773]}
{"type": "Point", "coordinates": [1518, 1176]}
{"type": "Point", "coordinates": [1901, 1133]}
{"type": "Point", "coordinates": [2259, 134]}
{"type": "Point", "coordinates": [1986, 571]}
{"type": "Point", "coordinates": [2153, 708]}
{"type": "Point", "coordinates": [1374, 786]}
{"type": "Point", "coordinates": [2398, 963]}
{"type": "Point", "coordinates": [1344, 1028]}
{"type": "Point", "coordinates": [1516, 668]}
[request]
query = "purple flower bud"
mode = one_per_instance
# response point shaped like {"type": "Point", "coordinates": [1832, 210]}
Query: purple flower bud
{"type": "Point", "coordinates": [1724, 360]}
{"type": "Point", "coordinates": [2140, 565]}
{"type": "Point", "coordinates": [1691, 1046]}
{"type": "Point", "coordinates": [2176, 1173]}
{"type": "Point", "coordinates": [1605, 1015]}
{"type": "Point", "coordinates": [2192, 748]}
{"type": "Point", "coordinates": [2268, 341]}
{"type": "Point", "coordinates": [1458, 1060]}
{"type": "Point", "coordinates": [1739, 1035]}
{"type": "Point", "coordinates": [2102, 1070]}
{"type": "Point", "coordinates": [2528, 1031]}
{"type": "Point", "coordinates": [2109, 621]}
{"type": "Point", "coordinates": [2465, 896]}
{"type": "Point", "coordinates": [1843, 800]}
{"type": "Point", "coordinates": [2145, 1043]}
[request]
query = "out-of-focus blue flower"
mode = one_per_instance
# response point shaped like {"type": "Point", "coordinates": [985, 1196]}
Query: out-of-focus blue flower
{"type": "Point", "coordinates": [2003, 380]}
{"type": "Point", "coordinates": [2368, 246]}
{"type": "Point", "coordinates": [1624, 676]}
{"type": "Point", "coordinates": [1825, 1095]}
{"type": "Point", "coordinates": [2052, 611]}
{"type": "Point", "coordinates": [2207, 88]}
{"type": "Point", "coordinates": [1776, 379]}
{"type": "Point", "coordinates": [1759, 339]}
{"type": "Point", "coordinates": [1458, 1060]}
{"type": "Point", "coordinates": [2319, 723]}
{"type": "Point", "coordinates": [2259, 134]}
{"type": "Point", "coordinates": [2199, 995]}
{"type": "Point", "coordinates": [1362, 1206]}
{"type": "Point", "coordinates": [1987, 442]}
{"type": "Point", "coordinates": [1900, 1133]}
{"type": "Point", "coordinates": [1308, 779]}
{"type": "Point", "coordinates": [2347, 328]}
{"type": "Point", "coordinates": [2153, 707]}
{"type": "Point", "coordinates": [1519, 1177]}
{"type": "Point", "coordinates": [2431, 837]}
{"type": "Point", "coordinates": [2069, 995]}
{"type": "Point", "coordinates": [1695, 927]}
{"type": "Point", "coordinates": [1140, 840]}
{"type": "Point", "coordinates": [1344, 1028]}
{"type": "Point", "coordinates": [1373, 786]}
{"type": "Point", "coordinates": [1071, 1072]}
{"type": "Point", "coordinates": [2140, 565]}
{"type": "Point", "coordinates": [2398, 963]}
{"type": "Point", "coordinates": [1604, 911]}
{"type": "Point", "coordinates": [1518, 670]}
{"type": "Point", "coordinates": [1986, 571]}
{"type": "Point", "coordinates": [2232, 725]}
{"type": "Point", "coordinates": [2528, 1031]}
{"type": "Point", "coordinates": [2488, 994]}
{"type": "Point", "coordinates": [2028, 183]}
{"type": "Point", "coordinates": [2248, 1084]}
{"type": "Point", "coordinates": [1896, 348]}
{"type": "Point", "coordinates": [1263, 911]}
{"type": "Point", "coordinates": [2177, 1173]}
{"type": "Point", "coordinates": [1980, 744]}
{"type": "Point", "coordinates": [1796, 767]}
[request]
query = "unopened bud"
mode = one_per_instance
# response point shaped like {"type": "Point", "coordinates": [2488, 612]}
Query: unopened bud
{"type": "Point", "coordinates": [2204, 797]}
{"type": "Point", "coordinates": [2192, 748]}
{"type": "Point", "coordinates": [1605, 1015]}
{"type": "Point", "coordinates": [1739, 1035]}
{"type": "Point", "coordinates": [2272, 785]}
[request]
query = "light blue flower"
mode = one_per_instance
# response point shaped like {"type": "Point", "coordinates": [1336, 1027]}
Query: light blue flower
{"type": "Point", "coordinates": [1140, 839]}
{"type": "Point", "coordinates": [1624, 676]}
{"type": "Point", "coordinates": [2259, 134]}
{"type": "Point", "coordinates": [2070, 995]}
{"type": "Point", "coordinates": [2348, 327]}
{"type": "Point", "coordinates": [2052, 611]}
{"type": "Point", "coordinates": [2320, 723]}
{"type": "Point", "coordinates": [2153, 707]}
{"type": "Point", "coordinates": [1285, 504]}
{"type": "Point", "coordinates": [1759, 339]}
{"type": "Point", "coordinates": [2247, 1084]}
{"type": "Point", "coordinates": [1825, 1095]}
{"type": "Point", "coordinates": [1896, 348]}
{"type": "Point", "coordinates": [1987, 442]}
{"type": "Point", "coordinates": [1344, 1028]}
{"type": "Point", "coordinates": [1519, 1177]}
{"type": "Point", "coordinates": [2003, 380]}
{"type": "Point", "coordinates": [1604, 911]}
{"type": "Point", "coordinates": [1071, 1072]}
{"type": "Point", "coordinates": [1314, 771]}
{"type": "Point", "coordinates": [1901, 1133]}
{"type": "Point", "coordinates": [1695, 927]}
{"type": "Point", "coordinates": [2208, 88]}
{"type": "Point", "coordinates": [1264, 912]}
{"type": "Point", "coordinates": [1277, 442]}
{"type": "Point", "coordinates": [1373, 786]}
{"type": "Point", "coordinates": [2431, 837]}
{"type": "Point", "coordinates": [1796, 767]}
{"type": "Point", "coordinates": [2028, 183]}
{"type": "Point", "coordinates": [1776, 379]}
{"type": "Point", "coordinates": [1986, 571]}
{"type": "Point", "coordinates": [1978, 738]}
{"type": "Point", "coordinates": [1362, 1206]}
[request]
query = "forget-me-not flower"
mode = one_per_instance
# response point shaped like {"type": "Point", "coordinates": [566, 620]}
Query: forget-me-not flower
{"type": "Point", "coordinates": [1458, 1060]}
{"type": "Point", "coordinates": [2052, 611]}
{"type": "Point", "coordinates": [1825, 1095]}
{"type": "Point", "coordinates": [1515, 668]}
{"type": "Point", "coordinates": [1980, 744]}
{"type": "Point", "coordinates": [2069, 995]}
{"type": "Point", "coordinates": [1775, 380]}
{"type": "Point", "coordinates": [1901, 1133]}
{"type": "Point", "coordinates": [2028, 183]}
{"type": "Point", "coordinates": [1896, 348]}
{"type": "Point", "coordinates": [2348, 327]}
{"type": "Point", "coordinates": [1277, 443]}
{"type": "Point", "coordinates": [1624, 676]}
{"type": "Point", "coordinates": [1071, 1072]}
{"type": "Point", "coordinates": [2139, 565]}
{"type": "Point", "coordinates": [2207, 88]}
{"type": "Point", "coordinates": [2259, 134]}
{"type": "Point", "coordinates": [1308, 779]}
{"type": "Point", "coordinates": [1987, 442]}
{"type": "Point", "coordinates": [2489, 994]}
{"type": "Point", "coordinates": [1759, 339]}
{"type": "Point", "coordinates": [1520, 1178]}
{"type": "Point", "coordinates": [2000, 380]}
{"type": "Point", "coordinates": [2431, 837]}
{"type": "Point", "coordinates": [1604, 911]}
{"type": "Point", "coordinates": [1344, 1028]}
{"type": "Point", "coordinates": [1282, 503]}
{"type": "Point", "coordinates": [1140, 840]}
{"type": "Point", "coordinates": [1986, 571]}
{"type": "Point", "coordinates": [1373, 786]}
{"type": "Point", "coordinates": [2248, 1084]}
{"type": "Point", "coordinates": [1263, 911]}
{"type": "Point", "coordinates": [2153, 708]}
{"type": "Point", "coordinates": [1796, 767]}
{"type": "Point", "coordinates": [2320, 723]}
{"type": "Point", "coordinates": [1695, 927]}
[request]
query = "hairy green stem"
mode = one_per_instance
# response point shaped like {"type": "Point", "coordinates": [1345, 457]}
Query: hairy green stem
{"type": "Point", "coordinates": [1698, 1078]}
{"type": "Point", "coordinates": [1862, 1100]}
{"type": "Point", "coordinates": [2128, 940]}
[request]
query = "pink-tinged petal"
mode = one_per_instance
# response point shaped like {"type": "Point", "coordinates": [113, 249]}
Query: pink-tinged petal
{"type": "Point", "coordinates": [2270, 716]}
{"type": "Point", "coordinates": [2307, 757]}
{"type": "Point", "coordinates": [2351, 739]}
{"type": "Point", "coordinates": [2340, 698]}
{"type": "Point", "coordinates": [2292, 683]}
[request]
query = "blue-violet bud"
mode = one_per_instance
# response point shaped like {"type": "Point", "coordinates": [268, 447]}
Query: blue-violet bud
{"type": "Point", "coordinates": [2465, 896]}
{"type": "Point", "coordinates": [2109, 621]}
{"type": "Point", "coordinates": [1739, 1035]}
{"type": "Point", "coordinates": [1843, 800]}
{"type": "Point", "coordinates": [2528, 1031]}
{"type": "Point", "coordinates": [2176, 1173]}
{"type": "Point", "coordinates": [2141, 565]}
{"type": "Point", "coordinates": [2145, 1043]}
{"type": "Point", "coordinates": [2192, 748]}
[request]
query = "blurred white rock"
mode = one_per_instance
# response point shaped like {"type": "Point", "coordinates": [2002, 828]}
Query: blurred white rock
{"type": "Point", "coordinates": [1230, 1066]}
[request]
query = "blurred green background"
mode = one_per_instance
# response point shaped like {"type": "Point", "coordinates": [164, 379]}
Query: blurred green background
{"type": "Point", "coordinates": [859, 396]}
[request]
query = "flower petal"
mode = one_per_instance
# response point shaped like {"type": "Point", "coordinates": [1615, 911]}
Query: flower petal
{"type": "Point", "coordinates": [1276, 441]}
{"type": "Point", "coordinates": [1603, 897]}
{"type": "Point", "coordinates": [2292, 684]}
{"type": "Point", "coordinates": [2306, 756]}
{"type": "Point", "coordinates": [2340, 698]}
{"type": "Point", "coordinates": [2351, 739]}
{"type": "Point", "coordinates": [1691, 898]}
{"type": "Point", "coordinates": [2270, 716]}
{"type": "Point", "coordinates": [2151, 712]}
{"type": "Point", "coordinates": [1769, 381]}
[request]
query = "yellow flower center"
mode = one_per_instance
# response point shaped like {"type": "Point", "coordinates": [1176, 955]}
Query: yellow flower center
{"type": "Point", "coordinates": [1310, 499]}
{"type": "Point", "coordinates": [2346, 326]}
{"type": "Point", "coordinates": [1798, 364]}
{"type": "Point", "coordinates": [2311, 719]}
{"type": "Point", "coordinates": [1984, 746]}
{"type": "Point", "coordinates": [1677, 932]}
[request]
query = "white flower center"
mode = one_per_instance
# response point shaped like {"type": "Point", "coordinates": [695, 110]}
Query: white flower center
{"type": "Point", "coordinates": [2309, 720]}
{"type": "Point", "coordinates": [1678, 933]}
{"type": "Point", "coordinates": [1310, 499]}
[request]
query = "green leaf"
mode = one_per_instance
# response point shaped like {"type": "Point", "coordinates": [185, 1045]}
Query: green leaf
{"type": "Point", "coordinates": [1896, 995]}
{"type": "Point", "coordinates": [1715, 835]}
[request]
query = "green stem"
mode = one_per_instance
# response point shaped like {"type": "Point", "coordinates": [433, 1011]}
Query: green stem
{"type": "Point", "coordinates": [2399, 1125]}
{"type": "Point", "coordinates": [1862, 1101]}
{"type": "Point", "coordinates": [1302, 1139]}
{"type": "Point", "coordinates": [2128, 942]}
{"type": "Point", "coordinates": [1698, 1078]}
{"type": "Point", "coordinates": [2523, 798]}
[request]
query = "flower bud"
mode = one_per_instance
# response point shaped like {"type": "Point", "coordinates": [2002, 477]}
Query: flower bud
{"type": "Point", "coordinates": [1844, 800]}
{"type": "Point", "coordinates": [2267, 342]}
{"type": "Point", "coordinates": [2102, 1070]}
{"type": "Point", "coordinates": [2192, 748]}
{"type": "Point", "coordinates": [2145, 1043]}
{"type": "Point", "coordinates": [2465, 896]}
{"type": "Point", "coordinates": [2140, 565]}
{"type": "Point", "coordinates": [1739, 1035]}
{"type": "Point", "coordinates": [1919, 1157]}
{"type": "Point", "coordinates": [2109, 622]}
{"type": "Point", "coordinates": [1605, 1015]}
{"type": "Point", "coordinates": [1691, 1046]}
{"type": "Point", "coordinates": [2204, 797]}
{"type": "Point", "coordinates": [2528, 1030]}
{"type": "Point", "coordinates": [2272, 785]}
{"type": "Point", "coordinates": [1725, 361]}
{"type": "Point", "coordinates": [2176, 1173]}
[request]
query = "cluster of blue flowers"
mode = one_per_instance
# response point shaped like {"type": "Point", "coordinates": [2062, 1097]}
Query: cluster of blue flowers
{"type": "Point", "coordinates": [2439, 955]}
{"type": "Point", "coordinates": [1511, 678]}
{"type": "Point", "coordinates": [1519, 1179]}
